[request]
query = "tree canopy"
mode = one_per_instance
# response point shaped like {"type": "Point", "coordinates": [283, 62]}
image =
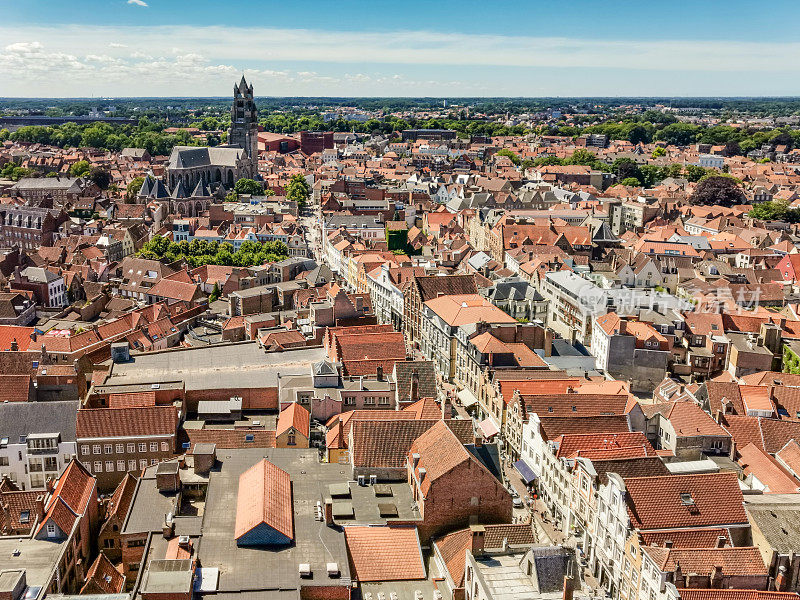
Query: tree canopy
{"type": "Point", "coordinates": [201, 252]}
{"type": "Point", "coordinates": [718, 190]}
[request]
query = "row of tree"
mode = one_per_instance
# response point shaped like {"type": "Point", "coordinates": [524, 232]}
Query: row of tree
{"type": "Point", "coordinates": [201, 252]}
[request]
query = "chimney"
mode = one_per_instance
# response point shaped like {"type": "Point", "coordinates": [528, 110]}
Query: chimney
{"type": "Point", "coordinates": [50, 485]}
{"type": "Point", "coordinates": [478, 440]}
{"type": "Point", "coordinates": [328, 512]}
{"type": "Point", "coordinates": [623, 327]}
{"type": "Point", "coordinates": [168, 527]}
{"type": "Point", "coordinates": [716, 576]}
{"type": "Point", "coordinates": [414, 393]}
{"type": "Point", "coordinates": [780, 579]}
{"type": "Point", "coordinates": [40, 508]}
{"type": "Point", "coordinates": [667, 543]}
{"type": "Point", "coordinates": [379, 373]}
{"type": "Point", "coordinates": [14, 346]}
{"type": "Point", "coordinates": [569, 587]}
{"type": "Point", "coordinates": [478, 539]}
{"type": "Point", "coordinates": [721, 541]}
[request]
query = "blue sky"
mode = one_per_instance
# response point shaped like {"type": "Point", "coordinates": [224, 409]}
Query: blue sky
{"type": "Point", "coordinates": [400, 48]}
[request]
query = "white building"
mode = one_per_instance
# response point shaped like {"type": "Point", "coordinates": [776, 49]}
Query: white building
{"type": "Point", "coordinates": [37, 441]}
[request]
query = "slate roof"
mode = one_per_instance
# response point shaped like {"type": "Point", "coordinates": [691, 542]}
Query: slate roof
{"type": "Point", "coordinates": [24, 418]}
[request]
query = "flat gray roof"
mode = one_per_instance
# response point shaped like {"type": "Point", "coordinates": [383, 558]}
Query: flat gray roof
{"type": "Point", "coordinates": [240, 365]}
{"type": "Point", "coordinates": [37, 557]}
{"type": "Point", "coordinates": [271, 569]}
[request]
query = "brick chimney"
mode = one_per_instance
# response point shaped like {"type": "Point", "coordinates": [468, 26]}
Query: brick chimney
{"type": "Point", "coordinates": [569, 587]}
{"type": "Point", "coordinates": [780, 579]}
{"type": "Point", "coordinates": [478, 539]}
{"type": "Point", "coordinates": [414, 393]}
{"type": "Point", "coordinates": [40, 507]}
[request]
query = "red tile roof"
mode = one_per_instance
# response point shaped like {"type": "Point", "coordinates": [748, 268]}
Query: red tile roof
{"type": "Point", "coordinates": [14, 333]}
{"type": "Point", "coordinates": [744, 561]}
{"type": "Point", "coordinates": [129, 399]}
{"type": "Point", "coordinates": [712, 594]}
{"type": "Point", "coordinates": [294, 416]}
{"type": "Point", "coordinates": [384, 553]}
{"type": "Point", "coordinates": [570, 446]}
{"type": "Point", "coordinates": [386, 443]}
{"type": "Point", "coordinates": [687, 538]}
{"type": "Point", "coordinates": [265, 496]}
{"type": "Point", "coordinates": [767, 470]}
{"type": "Point", "coordinates": [674, 501]}
{"type": "Point", "coordinates": [130, 421]}
{"type": "Point", "coordinates": [232, 438]}
{"type": "Point", "coordinates": [71, 496]}
{"type": "Point", "coordinates": [103, 577]}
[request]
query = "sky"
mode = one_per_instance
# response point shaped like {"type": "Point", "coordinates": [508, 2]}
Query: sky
{"type": "Point", "coordinates": [435, 48]}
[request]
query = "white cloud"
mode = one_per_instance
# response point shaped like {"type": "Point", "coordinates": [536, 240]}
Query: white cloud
{"type": "Point", "coordinates": [138, 3]}
{"type": "Point", "coordinates": [200, 61]}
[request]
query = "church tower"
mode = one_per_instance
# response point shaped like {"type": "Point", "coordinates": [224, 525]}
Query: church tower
{"type": "Point", "coordinates": [244, 123]}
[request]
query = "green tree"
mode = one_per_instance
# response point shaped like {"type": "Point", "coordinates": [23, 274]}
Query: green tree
{"type": "Point", "coordinates": [659, 151]}
{"type": "Point", "coordinates": [100, 177]}
{"type": "Point", "coordinates": [510, 154]}
{"type": "Point", "coordinates": [80, 168]}
{"type": "Point", "coordinates": [631, 182]}
{"type": "Point", "coordinates": [133, 188]}
{"type": "Point", "coordinates": [215, 293]}
{"type": "Point", "coordinates": [248, 186]}
{"type": "Point", "coordinates": [298, 190]}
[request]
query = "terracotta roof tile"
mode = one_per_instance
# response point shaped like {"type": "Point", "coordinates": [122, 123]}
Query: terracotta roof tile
{"type": "Point", "coordinates": [130, 421]}
{"type": "Point", "coordinates": [685, 501]}
{"type": "Point", "coordinates": [295, 416]}
{"type": "Point", "coordinates": [265, 496]}
{"type": "Point", "coordinates": [384, 553]}
{"type": "Point", "coordinates": [386, 443]}
{"type": "Point", "coordinates": [687, 538]}
{"type": "Point", "coordinates": [743, 561]}
{"type": "Point", "coordinates": [698, 594]}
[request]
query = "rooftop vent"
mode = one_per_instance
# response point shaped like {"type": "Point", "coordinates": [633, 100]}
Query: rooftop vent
{"type": "Point", "coordinates": [304, 569]}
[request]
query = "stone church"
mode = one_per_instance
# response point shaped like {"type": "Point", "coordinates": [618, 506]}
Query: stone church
{"type": "Point", "coordinates": [195, 175]}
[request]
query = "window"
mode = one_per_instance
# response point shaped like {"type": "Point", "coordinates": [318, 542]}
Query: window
{"type": "Point", "coordinates": [109, 466]}
{"type": "Point", "coordinates": [153, 446]}
{"type": "Point", "coordinates": [84, 450]}
{"type": "Point", "coordinates": [120, 448]}
{"type": "Point", "coordinates": [51, 530]}
{"type": "Point", "coordinates": [121, 465]}
{"type": "Point", "coordinates": [164, 447]}
{"type": "Point", "coordinates": [142, 447]}
{"type": "Point", "coordinates": [142, 463]}
{"type": "Point", "coordinates": [291, 439]}
{"type": "Point", "coordinates": [107, 448]}
{"type": "Point", "coordinates": [98, 467]}
{"type": "Point", "coordinates": [131, 448]}
{"type": "Point", "coordinates": [132, 465]}
{"type": "Point", "coordinates": [96, 449]}
{"type": "Point", "coordinates": [108, 543]}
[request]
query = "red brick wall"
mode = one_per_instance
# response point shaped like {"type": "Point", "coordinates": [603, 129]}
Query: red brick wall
{"type": "Point", "coordinates": [448, 505]}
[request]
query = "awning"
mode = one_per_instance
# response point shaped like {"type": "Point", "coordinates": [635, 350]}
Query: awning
{"type": "Point", "coordinates": [528, 476]}
{"type": "Point", "coordinates": [467, 398]}
{"type": "Point", "coordinates": [489, 428]}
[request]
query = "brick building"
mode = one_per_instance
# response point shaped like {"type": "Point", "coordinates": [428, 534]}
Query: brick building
{"type": "Point", "coordinates": [116, 441]}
